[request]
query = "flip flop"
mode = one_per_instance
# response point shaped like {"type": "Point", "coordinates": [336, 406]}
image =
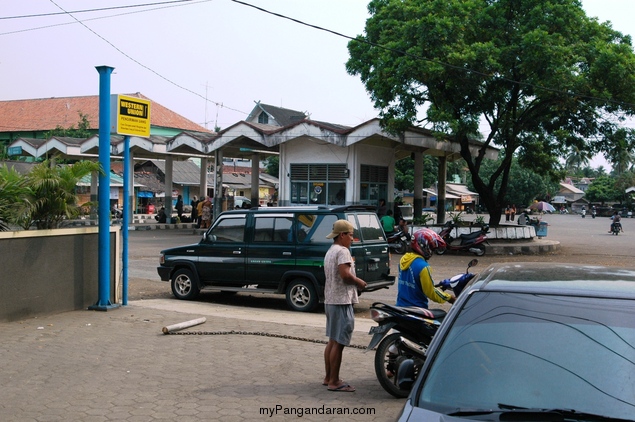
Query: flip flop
{"type": "Point", "coordinates": [343, 388]}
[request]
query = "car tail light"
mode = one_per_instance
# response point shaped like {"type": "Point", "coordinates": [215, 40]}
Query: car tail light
{"type": "Point", "coordinates": [161, 259]}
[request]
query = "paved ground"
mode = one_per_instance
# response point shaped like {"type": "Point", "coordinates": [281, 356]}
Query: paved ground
{"type": "Point", "coordinates": [118, 366]}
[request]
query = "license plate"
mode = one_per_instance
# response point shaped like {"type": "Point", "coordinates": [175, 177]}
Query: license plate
{"type": "Point", "coordinates": [379, 329]}
{"type": "Point", "coordinates": [404, 238]}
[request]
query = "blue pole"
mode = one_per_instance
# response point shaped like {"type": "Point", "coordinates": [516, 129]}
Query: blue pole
{"type": "Point", "coordinates": [104, 189]}
{"type": "Point", "coordinates": [126, 214]}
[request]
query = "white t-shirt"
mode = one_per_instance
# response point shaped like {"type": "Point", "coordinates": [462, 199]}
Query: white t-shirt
{"type": "Point", "coordinates": [336, 292]}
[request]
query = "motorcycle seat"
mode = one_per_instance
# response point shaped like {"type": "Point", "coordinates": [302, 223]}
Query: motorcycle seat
{"type": "Point", "coordinates": [426, 313]}
{"type": "Point", "coordinates": [471, 236]}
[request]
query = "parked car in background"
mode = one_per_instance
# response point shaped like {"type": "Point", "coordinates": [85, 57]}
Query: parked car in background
{"type": "Point", "coordinates": [533, 341]}
{"type": "Point", "coordinates": [241, 202]}
{"type": "Point", "coordinates": [276, 250]}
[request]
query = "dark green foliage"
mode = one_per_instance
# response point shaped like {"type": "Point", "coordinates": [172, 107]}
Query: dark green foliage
{"type": "Point", "coordinates": [546, 79]}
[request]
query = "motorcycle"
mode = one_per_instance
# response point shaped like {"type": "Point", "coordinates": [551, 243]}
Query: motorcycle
{"type": "Point", "coordinates": [583, 213]}
{"type": "Point", "coordinates": [116, 212]}
{"type": "Point", "coordinates": [401, 354]}
{"type": "Point", "coordinates": [398, 241]}
{"type": "Point", "coordinates": [473, 242]}
{"type": "Point", "coordinates": [593, 213]}
{"type": "Point", "coordinates": [616, 228]}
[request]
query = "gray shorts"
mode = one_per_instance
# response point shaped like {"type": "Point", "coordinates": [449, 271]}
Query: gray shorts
{"type": "Point", "coordinates": [340, 323]}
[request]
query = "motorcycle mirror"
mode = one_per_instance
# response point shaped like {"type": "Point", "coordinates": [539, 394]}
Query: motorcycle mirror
{"type": "Point", "coordinates": [473, 263]}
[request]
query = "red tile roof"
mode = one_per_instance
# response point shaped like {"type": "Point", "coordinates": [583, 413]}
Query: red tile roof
{"type": "Point", "coordinates": [45, 114]}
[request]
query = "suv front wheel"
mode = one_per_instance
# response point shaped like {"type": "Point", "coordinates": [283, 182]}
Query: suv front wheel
{"type": "Point", "coordinates": [184, 285]}
{"type": "Point", "coordinates": [301, 295]}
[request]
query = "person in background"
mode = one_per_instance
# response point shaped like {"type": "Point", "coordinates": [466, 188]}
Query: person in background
{"type": "Point", "coordinates": [179, 206]}
{"type": "Point", "coordinates": [382, 208]}
{"type": "Point", "coordinates": [340, 293]}
{"type": "Point", "coordinates": [199, 211]}
{"type": "Point", "coordinates": [194, 204]}
{"type": "Point", "coordinates": [401, 222]}
{"type": "Point", "coordinates": [388, 223]}
{"type": "Point", "coordinates": [616, 220]}
{"type": "Point", "coordinates": [512, 212]}
{"type": "Point", "coordinates": [161, 216]}
{"type": "Point", "coordinates": [206, 215]}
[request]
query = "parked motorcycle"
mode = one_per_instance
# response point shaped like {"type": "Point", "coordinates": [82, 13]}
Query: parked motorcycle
{"type": "Point", "coordinates": [398, 241]}
{"type": "Point", "coordinates": [400, 355]}
{"type": "Point", "coordinates": [473, 242]}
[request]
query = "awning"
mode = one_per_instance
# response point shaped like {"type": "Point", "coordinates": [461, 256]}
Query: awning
{"type": "Point", "coordinates": [433, 195]}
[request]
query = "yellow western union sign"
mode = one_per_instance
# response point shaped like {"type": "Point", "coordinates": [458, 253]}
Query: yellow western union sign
{"type": "Point", "coordinates": [130, 116]}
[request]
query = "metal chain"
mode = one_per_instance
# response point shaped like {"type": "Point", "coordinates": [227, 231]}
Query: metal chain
{"type": "Point", "coordinates": [255, 333]}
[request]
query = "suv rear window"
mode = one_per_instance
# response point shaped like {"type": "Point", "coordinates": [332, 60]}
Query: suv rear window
{"type": "Point", "coordinates": [313, 228]}
{"type": "Point", "coordinates": [371, 228]}
{"type": "Point", "coordinates": [273, 229]}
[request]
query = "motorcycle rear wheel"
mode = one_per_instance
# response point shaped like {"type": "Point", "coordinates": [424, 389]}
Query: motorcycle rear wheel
{"type": "Point", "coordinates": [401, 249]}
{"type": "Point", "coordinates": [387, 362]}
{"type": "Point", "coordinates": [481, 250]}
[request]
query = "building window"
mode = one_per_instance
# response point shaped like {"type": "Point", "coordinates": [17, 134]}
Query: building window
{"type": "Point", "coordinates": [263, 118]}
{"type": "Point", "coordinates": [373, 184]}
{"type": "Point", "coordinates": [318, 184]}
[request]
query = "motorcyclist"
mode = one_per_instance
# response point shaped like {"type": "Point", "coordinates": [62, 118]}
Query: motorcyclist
{"type": "Point", "coordinates": [388, 223]}
{"type": "Point", "coordinates": [616, 217]}
{"type": "Point", "coordinates": [415, 285]}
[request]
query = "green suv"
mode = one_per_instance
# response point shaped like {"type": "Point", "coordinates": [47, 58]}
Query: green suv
{"type": "Point", "coordinates": [276, 250]}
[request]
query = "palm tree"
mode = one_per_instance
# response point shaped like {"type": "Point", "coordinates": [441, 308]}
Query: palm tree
{"type": "Point", "coordinates": [53, 196]}
{"type": "Point", "coordinates": [577, 159]}
{"type": "Point", "coordinates": [13, 196]}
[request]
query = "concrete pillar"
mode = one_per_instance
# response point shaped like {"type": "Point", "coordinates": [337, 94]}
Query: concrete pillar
{"type": "Point", "coordinates": [255, 179]}
{"type": "Point", "coordinates": [169, 166]}
{"type": "Point", "coordinates": [441, 177]}
{"type": "Point", "coordinates": [418, 193]}
{"type": "Point", "coordinates": [218, 182]}
{"type": "Point", "coordinates": [203, 181]}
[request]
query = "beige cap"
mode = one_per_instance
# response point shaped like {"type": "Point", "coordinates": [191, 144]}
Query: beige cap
{"type": "Point", "coordinates": [341, 226]}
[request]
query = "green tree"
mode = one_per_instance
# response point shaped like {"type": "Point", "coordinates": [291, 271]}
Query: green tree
{"type": "Point", "coordinates": [272, 165]}
{"type": "Point", "coordinates": [545, 78]}
{"type": "Point", "coordinates": [14, 193]}
{"type": "Point", "coordinates": [524, 185]}
{"type": "Point", "coordinates": [624, 181]}
{"type": "Point", "coordinates": [405, 173]}
{"type": "Point", "coordinates": [81, 131]}
{"type": "Point", "coordinates": [52, 192]}
{"type": "Point", "coordinates": [602, 190]}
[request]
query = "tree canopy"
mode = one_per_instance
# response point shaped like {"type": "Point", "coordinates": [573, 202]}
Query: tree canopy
{"type": "Point", "coordinates": [546, 80]}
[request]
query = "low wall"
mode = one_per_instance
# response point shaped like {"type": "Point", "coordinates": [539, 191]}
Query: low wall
{"type": "Point", "coordinates": [52, 271]}
{"type": "Point", "coordinates": [499, 233]}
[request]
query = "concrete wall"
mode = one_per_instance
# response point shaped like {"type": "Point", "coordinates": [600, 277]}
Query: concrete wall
{"type": "Point", "coordinates": [51, 271]}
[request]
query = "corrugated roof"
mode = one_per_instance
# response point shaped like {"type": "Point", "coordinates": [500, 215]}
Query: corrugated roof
{"type": "Point", "coordinates": [185, 173]}
{"type": "Point", "coordinates": [45, 114]}
{"type": "Point", "coordinates": [283, 116]}
{"type": "Point", "coordinates": [19, 166]}
{"type": "Point", "coordinates": [570, 188]}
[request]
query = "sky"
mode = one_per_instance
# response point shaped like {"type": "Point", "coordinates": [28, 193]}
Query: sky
{"type": "Point", "coordinates": [208, 60]}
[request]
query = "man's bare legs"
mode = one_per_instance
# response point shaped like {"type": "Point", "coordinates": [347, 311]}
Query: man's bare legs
{"type": "Point", "coordinates": [332, 363]}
